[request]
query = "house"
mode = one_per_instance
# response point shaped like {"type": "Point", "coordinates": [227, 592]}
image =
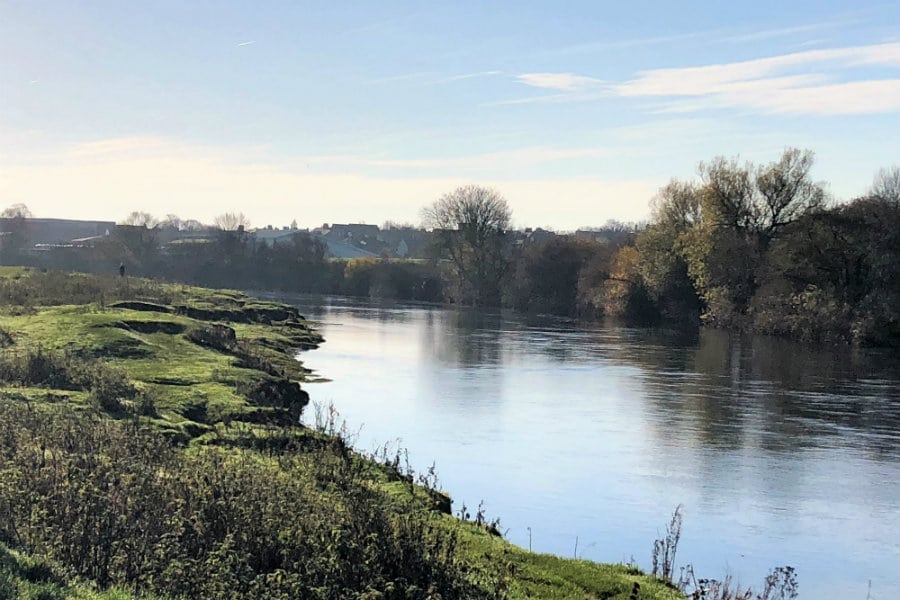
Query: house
{"type": "Point", "coordinates": [338, 249]}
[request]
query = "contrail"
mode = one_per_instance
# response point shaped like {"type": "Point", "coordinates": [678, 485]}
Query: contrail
{"type": "Point", "coordinates": [247, 43]}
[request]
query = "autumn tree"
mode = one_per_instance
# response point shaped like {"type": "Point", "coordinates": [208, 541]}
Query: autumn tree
{"type": "Point", "coordinates": [661, 260]}
{"type": "Point", "coordinates": [623, 294]}
{"type": "Point", "coordinates": [470, 227]}
{"type": "Point", "coordinates": [743, 208]}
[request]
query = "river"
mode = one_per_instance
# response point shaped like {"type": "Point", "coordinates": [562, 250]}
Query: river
{"type": "Point", "coordinates": [779, 453]}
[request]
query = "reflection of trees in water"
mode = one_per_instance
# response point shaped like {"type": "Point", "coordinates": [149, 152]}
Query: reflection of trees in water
{"type": "Point", "coordinates": [465, 338]}
{"type": "Point", "coordinates": [715, 389]}
{"type": "Point", "coordinates": [464, 360]}
{"type": "Point", "coordinates": [731, 391]}
{"type": "Point", "coordinates": [318, 308]}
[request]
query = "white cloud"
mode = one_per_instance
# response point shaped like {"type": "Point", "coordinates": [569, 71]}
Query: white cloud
{"type": "Point", "coordinates": [566, 82]}
{"type": "Point", "coordinates": [854, 97]}
{"type": "Point", "coordinates": [469, 76]}
{"type": "Point", "coordinates": [819, 82]}
{"type": "Point", "coordinates": [693, 81]}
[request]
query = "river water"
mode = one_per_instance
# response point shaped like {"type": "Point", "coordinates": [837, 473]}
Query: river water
{"type": "Point", "coordinates": [779, 453]}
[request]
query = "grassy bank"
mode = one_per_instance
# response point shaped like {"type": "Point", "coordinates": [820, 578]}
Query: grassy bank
{"type": "Point", "coordinates": [150, 446]}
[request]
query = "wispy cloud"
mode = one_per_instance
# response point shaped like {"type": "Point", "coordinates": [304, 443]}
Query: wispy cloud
{"type": "Point", "coordinates": [565, 82]}
{"type": "Point", "coordinates": [598, 45]}
{"type": "Point", "coordinates": [432, 78]}
{"type": "Point", "coordinates": [696, 81]}
{"type": "Point", "coordinates": [832, 81]}
{"type": "Point", "coordinates": [809, 43]}
{"type": "Point", "coordinates": [768, 34]}
{"type": "Point", "coordinates": [569, 87]}
{"type": "Point", "coordinates": [709, 36]}
{"type": "Point", "coordinates": [465, 76]}
{"type": "Point", "coordinates": [421, 75]}
{"type": "Point", "coordinates": [247, 43]}
{"type": "Point", "coordinates": [850, 98]}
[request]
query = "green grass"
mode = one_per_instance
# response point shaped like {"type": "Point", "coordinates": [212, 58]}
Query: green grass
{"type": "Point", "coordinates": [178, 372]}
{"type": "Point", "coordinates": [200, 396]}
{"type": "Point", "coordinates": [151, 347]}
{"type": "Point", "coordinates": [529, 575]}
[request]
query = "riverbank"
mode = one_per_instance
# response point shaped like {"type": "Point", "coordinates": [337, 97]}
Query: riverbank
{"type": "Point", "coordinates": [150, 444]}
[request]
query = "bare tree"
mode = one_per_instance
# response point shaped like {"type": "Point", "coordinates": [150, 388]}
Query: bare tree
{"type": "Point", "coordinates": [172, 221]}
{"type": "Point", "coordinates": [676, 205]}
{"type": "Point", "coordinates": [887, 184]}
{"type": "Point", "coordinates": [16, 227]}
{"type": "Point", "coordinates": [231, 221]}
{"type": "Point", "coordinates": [141, 219]}
{"type": "Point", "coordinates": [470, 226]}
{"type": "Point", "coordinates": [17, 211]}
{"type": "Point", "coordinates": [760, 200]}
{"type": "Point", "coordinates": [786, 191]}
{"type": "Point", "coordinates": [192, 225]}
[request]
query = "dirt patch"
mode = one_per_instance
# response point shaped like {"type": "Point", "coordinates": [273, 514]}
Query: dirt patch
{"type": "Point", "coordinates": [151, 326]}
{"type": "Point", "coordinates": [141, 306]}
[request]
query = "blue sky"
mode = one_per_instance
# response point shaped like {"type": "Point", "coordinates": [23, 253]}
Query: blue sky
{"type": "Point", "coordinates": [366, 111]}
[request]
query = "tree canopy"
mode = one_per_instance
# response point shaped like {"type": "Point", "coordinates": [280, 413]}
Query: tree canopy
{"type": "Point", "coordinates": [470, 226]}
{"type": "Point", "coordinates": [231, 221]}
{"type": "Point", "coordinates": [17, 211]}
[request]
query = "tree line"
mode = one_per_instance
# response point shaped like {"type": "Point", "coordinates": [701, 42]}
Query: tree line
{"type": "Point", "coordinates": [749, 247]}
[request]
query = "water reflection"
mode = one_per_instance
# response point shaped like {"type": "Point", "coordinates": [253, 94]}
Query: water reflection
{"type": "Point", "coordinates": [466, 339]}
{"type": "Point", "coordinates": [783, 453]}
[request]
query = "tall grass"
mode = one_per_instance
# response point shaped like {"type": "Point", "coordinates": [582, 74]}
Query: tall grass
{"type": "Point", "coordinates": [780, 584]}
{"type": "Point", "coordinates": [115, 503]}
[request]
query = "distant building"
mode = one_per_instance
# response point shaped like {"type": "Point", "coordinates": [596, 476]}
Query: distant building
{"type": "Point", "coordinates": [337, 249]}
{"type": "Point", "coordinates": [359, 231]}
{"type": "Point", "coordinates": [359, 235]}
{"type": "Point", "coordinates": [406, 242]}
{"type": "Point", "coordinates": [593, 235]}
{"type": "Point", "coordinates": [530, 236]}
{"type": "Point", "coordinates": [57, 231]}
{"type": "Point", "coordinates": [270, 237]}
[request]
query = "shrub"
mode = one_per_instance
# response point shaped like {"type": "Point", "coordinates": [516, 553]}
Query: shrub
{"type": "Point", "coordinates": [117, 504]}
{"type": "Point", "coordinates": [108, 387]}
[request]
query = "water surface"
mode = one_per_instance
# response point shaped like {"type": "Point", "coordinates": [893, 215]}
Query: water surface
{"type": "Point", "coordinates": [781, 454]}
